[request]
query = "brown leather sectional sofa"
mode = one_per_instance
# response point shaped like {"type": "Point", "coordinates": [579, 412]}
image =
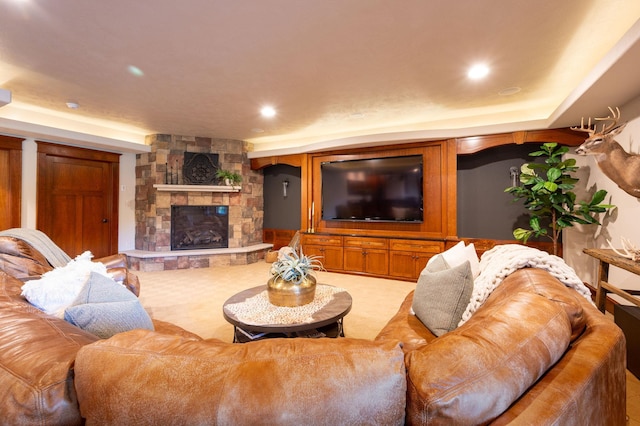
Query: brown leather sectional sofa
{"type": "Point", "coordinates": [534, 353]}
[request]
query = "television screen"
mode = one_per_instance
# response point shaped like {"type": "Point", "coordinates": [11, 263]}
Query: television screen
{"type": "Point", "coordinates": [376, 189]}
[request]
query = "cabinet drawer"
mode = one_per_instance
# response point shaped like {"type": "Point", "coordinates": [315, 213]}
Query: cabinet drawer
{"type": "Point", "coordinates": [322, 240]}
{"type": "Point", "coordinates": [417, 245]}
{"type": "Point", "coordinates": [377, 243]}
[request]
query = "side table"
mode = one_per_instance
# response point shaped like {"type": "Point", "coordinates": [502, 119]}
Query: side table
{"type": "Point", "coordinates": [326, 322]}
{"type": "Point", "coordinates": [609, 257]}
{"type": "Point", "coordinates": [626, 317]}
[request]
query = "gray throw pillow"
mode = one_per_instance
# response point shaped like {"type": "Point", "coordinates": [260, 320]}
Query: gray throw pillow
{"type": "Point", "coordinates": [442, 295]}
{"type": "Point", "coordinates": [105, 308]}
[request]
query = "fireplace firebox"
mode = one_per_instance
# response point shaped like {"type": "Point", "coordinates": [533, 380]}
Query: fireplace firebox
{"type": "Point", "coordinates": [199, 227]}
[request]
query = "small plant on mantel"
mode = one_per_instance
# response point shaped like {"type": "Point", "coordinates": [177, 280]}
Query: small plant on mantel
{"type": "Point", "coordinates": [228, 177]}
{"type": "Point", "coordinates": [547, 192]}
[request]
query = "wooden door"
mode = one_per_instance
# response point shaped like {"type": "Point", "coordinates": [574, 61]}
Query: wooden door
{"type": "Point", "coordinates": [10, 181]}
{"type": "Point", "coordinates": [77, 195]}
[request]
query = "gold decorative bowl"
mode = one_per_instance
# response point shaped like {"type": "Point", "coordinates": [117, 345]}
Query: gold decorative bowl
{"type": "Point", "coordinates": [287, 293]}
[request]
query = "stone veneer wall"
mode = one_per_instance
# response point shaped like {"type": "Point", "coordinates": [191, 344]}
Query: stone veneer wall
{"type": "Point", "coordinates": [153, 208]}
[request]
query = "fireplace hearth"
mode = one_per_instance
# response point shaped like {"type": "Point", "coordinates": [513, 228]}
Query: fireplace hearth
{"type": "Point", "coordinates": [199, 227]}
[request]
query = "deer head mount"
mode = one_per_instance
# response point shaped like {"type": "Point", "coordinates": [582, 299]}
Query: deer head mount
{"type": "Point", "coordinates": [618, 165]}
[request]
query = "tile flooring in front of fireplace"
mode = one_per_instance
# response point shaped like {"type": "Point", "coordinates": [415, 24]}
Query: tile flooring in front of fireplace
{"type": "Point", "coordinates": [193, 299]}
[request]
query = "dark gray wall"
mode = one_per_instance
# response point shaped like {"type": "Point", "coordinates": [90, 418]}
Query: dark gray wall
{"type": "Point", "coordinates": [281, 212]}
{"type": "Point", "coordinates": [484, 209]}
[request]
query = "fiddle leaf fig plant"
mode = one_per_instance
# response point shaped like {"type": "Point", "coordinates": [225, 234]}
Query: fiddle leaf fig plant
{"type": "Point", "coordinates": [546, 189]}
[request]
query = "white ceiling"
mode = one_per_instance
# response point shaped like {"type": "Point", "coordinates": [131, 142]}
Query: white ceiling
{"type": "Point", "coordinates": [339, 73]}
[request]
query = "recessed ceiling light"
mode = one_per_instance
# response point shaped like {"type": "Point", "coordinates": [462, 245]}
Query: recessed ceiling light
{"type": "Point", "coordinates": [133, 70]}
{"type": "Point", "coordinates": [478, 71]}
{"type": "Point", "coordinates": [73, 105]}
{"type": "Point", "coordinates": [268, 111]}
{"type": "Point", "coordinates": [509, 91]}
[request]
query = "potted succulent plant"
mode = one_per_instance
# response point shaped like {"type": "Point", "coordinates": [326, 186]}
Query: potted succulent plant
{"type": "Point", "coordinates": [547, 192]}
{"type": "Point", "coordinates": [228, 177]}
{"type": "Point", "coordinates": [292, 282]}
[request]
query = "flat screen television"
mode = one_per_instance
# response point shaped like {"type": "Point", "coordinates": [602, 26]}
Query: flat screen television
{"type": "Point", "coordinates": [377, 189]}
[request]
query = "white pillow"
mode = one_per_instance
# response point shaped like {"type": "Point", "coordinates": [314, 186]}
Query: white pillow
{"type": "Point", "coordinates": [58, 288]}
{"type": "Point", "coordinates": [458, 254]}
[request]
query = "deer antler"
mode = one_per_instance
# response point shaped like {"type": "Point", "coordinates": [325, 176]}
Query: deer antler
{"type": "Point", "coordinates": [614, 117]}
{"type": "Point", "coordinates": [628, 250]}
{"type": "Point", "coordinates": [587, 129]}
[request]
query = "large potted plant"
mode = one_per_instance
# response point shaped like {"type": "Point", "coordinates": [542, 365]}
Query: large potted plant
{"type": "Point", "coordinates": [546, 189]}
{"type": "Point", "coordinates": [292, 282]}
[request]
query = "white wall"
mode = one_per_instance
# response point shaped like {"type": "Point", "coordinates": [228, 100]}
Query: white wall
{"type": "Point", "coordinates": [624, 221]}
{"type": "Point", "coordinates": [127, 203]}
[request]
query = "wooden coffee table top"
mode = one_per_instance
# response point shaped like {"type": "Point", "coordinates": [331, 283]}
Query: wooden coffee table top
{"type": "Point", "coordinates": [334, 310]}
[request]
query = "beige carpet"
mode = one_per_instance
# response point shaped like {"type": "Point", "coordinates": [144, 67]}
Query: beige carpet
{"type": "Point", "coordinates": [193, 298]}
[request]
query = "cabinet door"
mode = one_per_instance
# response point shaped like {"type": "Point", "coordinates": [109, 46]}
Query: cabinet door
{"type": "Point", "coordinates": [354, 259]}
{"type": "Point", "coordinates": [376, 261]}
{"type": "Point", "coordinates": [402, 264]}
{"type": "Point", "coordinates": [331, 257]}
{"type": "Point", "coordinates": [420, 261]}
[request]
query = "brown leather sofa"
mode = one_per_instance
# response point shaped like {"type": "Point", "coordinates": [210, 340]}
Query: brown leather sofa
{"type": "Point", "coordinates": [534, 353]}
{"type": "Point", "coordinates": [53, 373]}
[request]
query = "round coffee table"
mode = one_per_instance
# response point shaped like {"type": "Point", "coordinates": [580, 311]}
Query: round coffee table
{"type": "Point", "coordinates": [326, 322]}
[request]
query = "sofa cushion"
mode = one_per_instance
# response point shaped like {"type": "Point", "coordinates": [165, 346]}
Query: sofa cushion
{"type": "Point", "coordinates": [460, 253]}
{"type": "Point", "coordinates": [442, 294]}
{"type": "Point", "coordinates": [105, 308]}
{"type": "Point", "coordinates": [274, 381]}
{"type": "Point", "coordinates": [474, 373]}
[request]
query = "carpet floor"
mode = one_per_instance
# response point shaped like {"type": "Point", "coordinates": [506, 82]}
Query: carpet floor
{"type": "Point", "coordinates": [193, 298]}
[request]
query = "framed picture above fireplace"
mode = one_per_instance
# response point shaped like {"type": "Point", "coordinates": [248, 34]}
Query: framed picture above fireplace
{"type": "Point", "coordinates": [200, 168]}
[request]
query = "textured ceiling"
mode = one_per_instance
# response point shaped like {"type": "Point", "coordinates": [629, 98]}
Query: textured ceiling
{"type": "Point", "coordinates": [339, 73]}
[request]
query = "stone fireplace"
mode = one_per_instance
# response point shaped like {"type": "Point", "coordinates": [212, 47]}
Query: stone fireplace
{"type": "Point", "coordinates": [209, 242]}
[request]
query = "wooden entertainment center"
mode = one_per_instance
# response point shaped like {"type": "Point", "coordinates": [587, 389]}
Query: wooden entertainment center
{"type": "Point", "coordinates": [390, 249]}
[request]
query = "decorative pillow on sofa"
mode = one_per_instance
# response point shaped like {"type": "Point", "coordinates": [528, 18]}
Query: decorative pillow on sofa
{"type": "Point", "coordinates": [442, 295]}
{"type": "Point", "coordinates": [460, 253]}
{"type": "Point", "coordinates": [58, 288]}
{"type": "Point", "coordinates": [105, 308]}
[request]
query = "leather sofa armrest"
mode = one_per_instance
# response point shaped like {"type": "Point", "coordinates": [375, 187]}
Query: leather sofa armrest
{"type": "Point", "coordinates": [114, 261]}
{"type": "Point", "coordinates": [117, 266]}
{"type": "Point", "coordinates": [407, 328]}
{"type": "Point", "coordinates": [128, 279]}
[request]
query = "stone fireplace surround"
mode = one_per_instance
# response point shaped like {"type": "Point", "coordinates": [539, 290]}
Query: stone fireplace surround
{"type": "Point", "coordinates": [154, 200]}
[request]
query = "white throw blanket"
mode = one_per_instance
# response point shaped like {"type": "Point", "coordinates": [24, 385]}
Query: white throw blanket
{"type": "Point", "coordinates": [497, 263]}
